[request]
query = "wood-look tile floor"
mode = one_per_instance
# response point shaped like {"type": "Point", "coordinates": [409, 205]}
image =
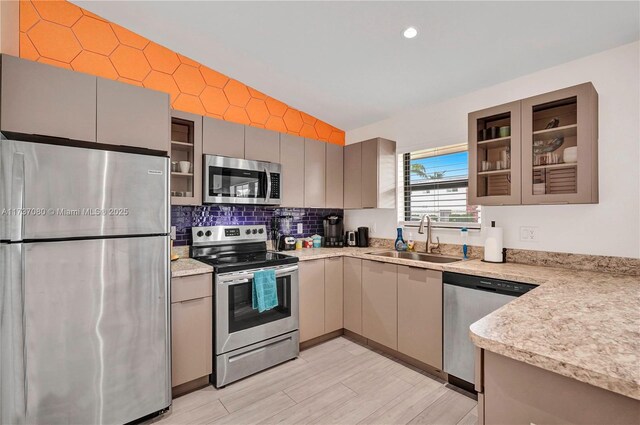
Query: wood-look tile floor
{"type": "Point", "coordinates": [337, 382]}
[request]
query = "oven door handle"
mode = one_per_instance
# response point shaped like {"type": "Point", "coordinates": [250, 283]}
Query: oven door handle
{"type": "Point", "coordinates": [245, 277]}
{"type": "Point", "coordinates": [237, 282]}
{"type": "Point", "coordinates": [268, 194]}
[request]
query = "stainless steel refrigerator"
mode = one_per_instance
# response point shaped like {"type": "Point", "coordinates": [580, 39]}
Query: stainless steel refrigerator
{"type": "Point", "coordinates": [84, 290]}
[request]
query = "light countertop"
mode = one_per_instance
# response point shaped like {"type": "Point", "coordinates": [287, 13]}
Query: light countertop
{"type": "Point", "coordinates": [188, 267]}
{"type": "Point", "coordinates": [579, 324]}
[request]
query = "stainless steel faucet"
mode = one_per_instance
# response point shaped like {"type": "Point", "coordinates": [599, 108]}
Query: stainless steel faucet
{"type": "Point", "coordinates": [430, 246]}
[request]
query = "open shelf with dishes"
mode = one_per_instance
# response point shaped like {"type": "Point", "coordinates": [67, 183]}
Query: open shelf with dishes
{"type": "Point", "coordinates": [186, 158]}
{"type": "Point", "coordinates": [494, 141]}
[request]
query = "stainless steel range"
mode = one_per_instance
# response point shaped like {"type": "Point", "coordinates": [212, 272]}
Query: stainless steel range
{"type": "Point", "coordinates": [247, 341]}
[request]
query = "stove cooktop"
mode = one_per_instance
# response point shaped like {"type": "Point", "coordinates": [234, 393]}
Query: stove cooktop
{"type": "Point", "coordinates": [244, 261]}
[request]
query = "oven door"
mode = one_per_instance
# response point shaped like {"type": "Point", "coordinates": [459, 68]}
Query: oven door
{"type": "Point", "coordinates": [240, 181]}
{"type": "Point", "coordinates": [237, 324]}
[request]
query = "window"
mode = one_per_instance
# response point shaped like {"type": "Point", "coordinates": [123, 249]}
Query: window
{"type": "Point", "coordinates": [435, 183]}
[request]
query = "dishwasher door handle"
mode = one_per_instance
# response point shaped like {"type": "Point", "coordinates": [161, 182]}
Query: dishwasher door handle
{"type": "Point", "coordinates": [483, 288]}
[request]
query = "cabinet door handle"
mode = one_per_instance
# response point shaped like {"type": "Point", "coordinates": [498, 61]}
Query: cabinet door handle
{"type": "Point", "coordinates": [192, 300]}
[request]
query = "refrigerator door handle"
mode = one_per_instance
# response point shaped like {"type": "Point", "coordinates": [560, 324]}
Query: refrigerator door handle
{"type": "Point", "coordinates": [17, 197]}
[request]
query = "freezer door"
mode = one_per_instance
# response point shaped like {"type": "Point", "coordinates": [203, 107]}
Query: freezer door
{"type": "Point", "coordinates": [97, 348]}
{"type": "Point", "coordinates": [52, 191]}
{"type": "Point", "coordinates": [11, 336]}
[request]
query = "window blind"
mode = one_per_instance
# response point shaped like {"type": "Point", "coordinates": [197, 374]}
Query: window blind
{"type": "Point", "coordinates": [435, 183]}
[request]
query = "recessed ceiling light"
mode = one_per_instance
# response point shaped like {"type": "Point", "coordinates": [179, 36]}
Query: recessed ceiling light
{"type": "Point", "coordinates": [410, 32]}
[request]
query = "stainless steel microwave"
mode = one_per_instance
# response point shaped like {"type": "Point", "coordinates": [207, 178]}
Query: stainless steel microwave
{"type": "Point", "coordinates": [241, 181]}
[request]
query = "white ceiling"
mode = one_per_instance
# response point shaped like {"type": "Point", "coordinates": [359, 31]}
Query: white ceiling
{"type": "Point", "coordinates": [347, 62]}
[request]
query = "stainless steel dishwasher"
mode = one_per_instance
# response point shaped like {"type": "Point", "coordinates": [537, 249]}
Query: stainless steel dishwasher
{"type": "Point", "coordinates": [468, 299]}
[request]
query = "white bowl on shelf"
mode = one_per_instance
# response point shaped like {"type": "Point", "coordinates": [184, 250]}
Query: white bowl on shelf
{"type": "Point", "coordinates": [570, 155]}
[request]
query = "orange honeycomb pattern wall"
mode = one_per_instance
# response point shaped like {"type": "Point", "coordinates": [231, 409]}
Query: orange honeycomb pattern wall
{"type": "Point", "coordinates": [62, 34]}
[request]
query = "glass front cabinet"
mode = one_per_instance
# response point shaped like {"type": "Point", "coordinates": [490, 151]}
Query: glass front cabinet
{"type": "Point", "coordinates": [551, 152]}
{"type": "Point", "coordinates": [494, 156]}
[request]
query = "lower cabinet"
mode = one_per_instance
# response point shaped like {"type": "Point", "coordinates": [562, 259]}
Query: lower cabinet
{"type": "Point", "coordinates": [321, 297]}
{"type": "Point", "coordinates": [420, 314]}
{"type": "Point", "coordinates": [333, 294]}
{"type": "Point", "coordinates": [311, 289]}
{"type": "Point", "coordinates": [397, 306]}
{"type": "Point", "coordinates": [191, 328]}
{"type": "Point", "coordinates": [519, 393]}
{"type": "Point", "coordinates": [352, 273]}
{"type": "Point", "coordinates": [380, 302]}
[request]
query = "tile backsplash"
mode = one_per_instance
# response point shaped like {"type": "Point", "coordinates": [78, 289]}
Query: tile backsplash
{"type": "Point", "coordinates": [185, 217]}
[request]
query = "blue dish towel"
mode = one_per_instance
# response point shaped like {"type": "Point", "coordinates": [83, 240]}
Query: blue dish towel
{"type": "Point", "coordinates": [265, 290]}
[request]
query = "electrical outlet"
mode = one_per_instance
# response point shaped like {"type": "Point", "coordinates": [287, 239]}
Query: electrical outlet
{"type": "Point", "coordinates": [300, 229]}
{"type": "Point", "coordinates": [529, 234]}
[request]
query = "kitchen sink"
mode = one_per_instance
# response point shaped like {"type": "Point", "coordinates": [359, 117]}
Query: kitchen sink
{"type": "Point", "coordinates": [417, 256]}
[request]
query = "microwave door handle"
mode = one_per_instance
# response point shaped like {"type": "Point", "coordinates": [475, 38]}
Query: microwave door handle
{"type": "Point", "coordinates": [268, 194]}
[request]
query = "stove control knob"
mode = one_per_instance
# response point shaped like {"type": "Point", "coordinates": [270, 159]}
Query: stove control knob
{"type": "Point", "coordinates": [254, 231]}
{"type": "Point", "coordinates": [248, 231]}
{"type": "Point", "coordinates": [200, 233]}
{"type": "Point", "coordinates": [261, 231]}
{"type": "Point", "coordinates": [208, 233]}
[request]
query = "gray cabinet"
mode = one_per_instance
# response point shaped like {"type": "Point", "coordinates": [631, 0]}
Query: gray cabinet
{"type": "Point", "coordinates": [314, 170]}
{"type": "Point", "coordinates": [191, 328]}
{"type": "Point", "coordinates": [568, 178]}
{"type": "Point", "coordinates": [536, 151]}
{"type": "Point", "coordinates": [352, 271]}
{"type": "Point", "coordinates": [186, 145]}
{"type": "Point", "coordinates": [333, 294]}
{"type": "Point", "coordinates": [420, 314]}
{"type": "Point", "coordinates": [261, 144]}
{"type": "Point", "coordinates": [311, 294]}
{"type": "Point", "coordinates": [353, 176]}
{"type": "Point", "coordinates": [292, 161]}
{"type": "Point", "coordinates": [222, 138]}
{"type": "Point", "coordinates": [370, 180]}
{"type": "Point", "coordinates": [46, 100]}
{"type": "Point", "coordinates": [494, 161]}
{"type": "Point", "coordinates": [380, 302]}
{"type": "Point", "coordinates": [334, 176]}
{"type": "Point", "coordinates": [129, 115]}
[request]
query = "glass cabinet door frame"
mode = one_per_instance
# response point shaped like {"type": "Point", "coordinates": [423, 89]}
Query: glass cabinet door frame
{"type": "Point", "coordinates": [514, 198]}
{"type": "Point", "coordinates": [587, 143]}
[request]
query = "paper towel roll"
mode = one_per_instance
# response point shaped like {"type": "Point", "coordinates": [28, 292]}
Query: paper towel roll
{"type": "Point", "coordinates": [493, 245]}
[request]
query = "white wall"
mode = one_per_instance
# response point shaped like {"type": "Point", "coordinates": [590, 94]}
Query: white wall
{"type": "Point", "coordinates": [611, 227]}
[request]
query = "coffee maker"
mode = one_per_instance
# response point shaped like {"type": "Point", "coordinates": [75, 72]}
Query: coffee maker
{"type": "Point", "coordinates": [333, 231]}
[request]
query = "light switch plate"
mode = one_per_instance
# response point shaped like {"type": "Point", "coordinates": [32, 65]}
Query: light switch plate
{"type": "Point", "coordinates": [300, 228]}
{"type": "Point", "coordinates": [528, 234]}
{"type": "Point", "coordinates": [173, 233]}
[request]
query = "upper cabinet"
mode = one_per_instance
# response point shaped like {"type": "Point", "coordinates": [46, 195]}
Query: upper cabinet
{"type": "Point", "coordinates": [370, 174]}
{"type": "Point", "coordinates": [222, 138]}
{"type": "Point", "coordinates": [186, 158]}
{"type": "Point", "coordinates": [261, 144]}
{"type": "Point", "coordinates": [353, 176]}
{"type": "Point", "coordinates": [334, 180]}
{"type": "Point", "coordinates": [129, 115]}
{"type": "Point", "coordinates": [539, 150]}
{"type": "Point", "coordinates": [494, 143]}
{"type": "Point", "coordinates": [314, 170]}
{"type": "Point", "coordinates": [46, 100]}
{"type": "Point", "coordinates": [292, 162]}
{"type": "Point", "coordinates": [560, 147]}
